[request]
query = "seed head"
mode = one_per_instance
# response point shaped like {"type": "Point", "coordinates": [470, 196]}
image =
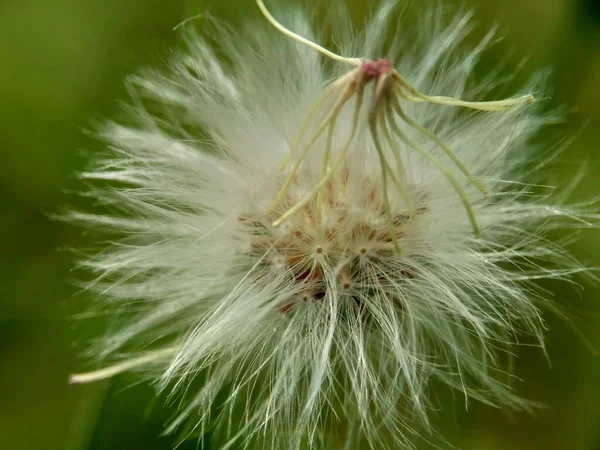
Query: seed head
{"type": "Point", "coordinates": [311, 246]}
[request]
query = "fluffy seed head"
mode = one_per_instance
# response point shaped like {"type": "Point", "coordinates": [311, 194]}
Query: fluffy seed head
{"type": "Point", "coordinates": [300, 251]}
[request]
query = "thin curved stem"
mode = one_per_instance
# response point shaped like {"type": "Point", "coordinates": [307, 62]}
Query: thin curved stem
{"type": "Point", "coordinates": [265, 12]}
{"type": "Point", "coordinates": [336, 165]}
{"type": "Point", "coordinates": [326, 163]}
{"type": "Point", "coordinates": [453, 181]}
{"type": "Point", "coordinates": [313, 109]}
{"type": "Point", "coordinates": [441, 144]}
{"type": "Point", "coordinates": [345, 96]}
{"type": "Point", "coordinates": [402, 186]}
{"type": "Point", "coordinates": [111, 371]}
{"type": "Point", "coordinates": [498, 105]}
{"type": "Point", "coordinates": [384, 182]}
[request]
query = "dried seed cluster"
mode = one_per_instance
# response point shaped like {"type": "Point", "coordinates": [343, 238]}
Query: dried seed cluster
{"type": "Point", "coordinates": [311, 243]}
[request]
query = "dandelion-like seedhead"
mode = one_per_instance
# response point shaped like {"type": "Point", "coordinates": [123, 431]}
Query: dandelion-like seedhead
{"type": "Point", "coordinates": [303, 247]}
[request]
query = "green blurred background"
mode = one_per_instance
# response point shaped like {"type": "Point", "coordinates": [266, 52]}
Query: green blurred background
{"type": "Point", "coordinates": [62, 64]}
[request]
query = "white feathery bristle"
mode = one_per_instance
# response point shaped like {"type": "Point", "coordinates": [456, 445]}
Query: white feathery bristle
{"type": "Point", "coordinates": [285, 296]}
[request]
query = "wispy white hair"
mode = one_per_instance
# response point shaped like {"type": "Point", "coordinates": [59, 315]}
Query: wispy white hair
{"type": "Point", "coordinates": [211, 299]}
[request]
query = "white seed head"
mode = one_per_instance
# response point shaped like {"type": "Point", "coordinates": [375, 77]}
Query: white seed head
{"type": "Point", "coordinates": [315, 246]}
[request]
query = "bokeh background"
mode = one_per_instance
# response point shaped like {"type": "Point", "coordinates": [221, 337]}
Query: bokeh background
{"type": "Point", "coordinates": [62, 65]}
